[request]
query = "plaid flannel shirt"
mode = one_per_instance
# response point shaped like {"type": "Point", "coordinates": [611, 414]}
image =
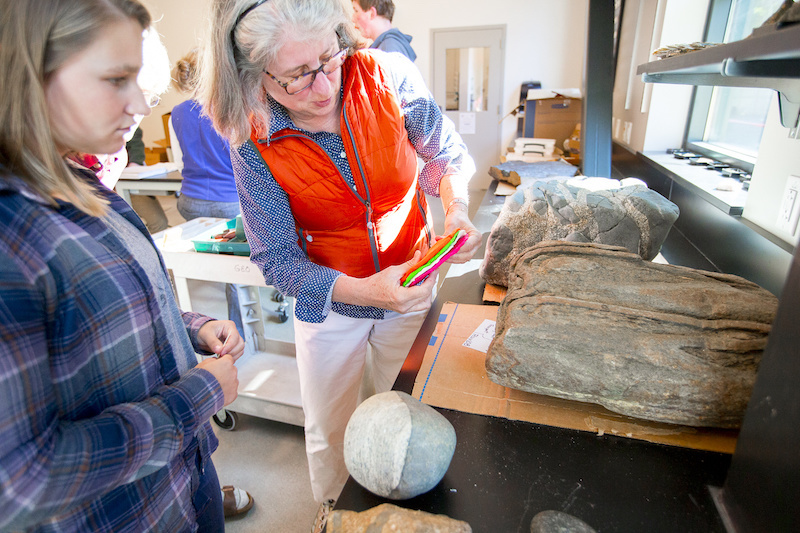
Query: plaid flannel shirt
{"type": "Point", "coordinates": [100, 428]}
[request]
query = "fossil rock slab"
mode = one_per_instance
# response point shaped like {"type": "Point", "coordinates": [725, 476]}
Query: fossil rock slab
{"type": "Point", "coordinates": [388, 518]}
{"type": "Point", "coordinates": [597, 324]}
{"type": "Point", "coordinates": [517, 172]}
{"type": "Point", "coordinates": [632, 216]}
{"type": "Point", "coordinates": [396, 446]}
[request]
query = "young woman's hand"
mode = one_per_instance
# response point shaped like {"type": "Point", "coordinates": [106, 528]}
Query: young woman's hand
{"type": "Point", "coordinates": [221, 338]}
{"type": "Point", "coordinates": [223, 369]}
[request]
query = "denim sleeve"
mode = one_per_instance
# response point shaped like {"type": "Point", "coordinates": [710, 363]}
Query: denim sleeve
{"type": "Point", "coordinates": [270, 229]}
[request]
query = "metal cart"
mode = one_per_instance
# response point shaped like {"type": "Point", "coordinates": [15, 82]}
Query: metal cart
{"type": "Point", "coordinates": [269, 385]}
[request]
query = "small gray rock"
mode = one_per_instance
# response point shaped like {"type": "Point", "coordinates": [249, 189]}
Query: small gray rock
{"type": "Point", "coordinates": [397, 447]}
{"type": "Point", "coordinates": [558, 522]}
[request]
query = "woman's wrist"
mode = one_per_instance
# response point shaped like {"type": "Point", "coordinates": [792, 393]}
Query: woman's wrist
{"type": "Point", "coordinates": [456, 202]}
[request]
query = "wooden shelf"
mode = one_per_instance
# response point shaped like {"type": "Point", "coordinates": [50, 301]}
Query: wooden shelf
{"type": "Point", "coordinates": [768, 59]}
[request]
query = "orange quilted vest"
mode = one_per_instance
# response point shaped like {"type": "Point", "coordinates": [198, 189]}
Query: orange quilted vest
{"type": "Point", "coordinates": [384, 220]}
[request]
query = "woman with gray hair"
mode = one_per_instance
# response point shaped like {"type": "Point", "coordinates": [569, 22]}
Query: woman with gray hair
{"type": "Point", "coordinates": [105, 420]}
{"type": "Point", "coordinates": [325, 143]}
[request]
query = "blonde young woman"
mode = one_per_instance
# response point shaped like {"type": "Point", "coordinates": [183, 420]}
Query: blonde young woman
{"type": "Point", "coordinates": [104, 425]}
{"type": "Point", "coordinates": [325, 143]}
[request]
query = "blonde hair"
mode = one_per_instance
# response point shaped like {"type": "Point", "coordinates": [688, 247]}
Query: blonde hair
{"type": "Point", "coordinates": [36, 38]}
{"type": "Point", "coordinates": [231, 89]}
{"type": "Point", "coordinates": [184, 73]}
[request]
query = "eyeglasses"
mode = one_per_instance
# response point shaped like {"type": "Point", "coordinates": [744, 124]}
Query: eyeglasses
{"type": "Point", "coordinates": [152, 100]}
{"type": "Point", "coordinates": [304, 81]}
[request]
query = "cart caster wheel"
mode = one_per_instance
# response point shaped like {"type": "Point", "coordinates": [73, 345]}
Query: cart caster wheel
{"type": "Point", "coordinates": [278, 297]}
{"type": "Point", "coordinates": [283, 317]}
{"type": "Point", "coordinates": [225, 419]}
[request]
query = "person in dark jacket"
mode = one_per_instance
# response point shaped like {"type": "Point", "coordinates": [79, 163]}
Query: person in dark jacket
{"type": "Point", "coordinates": [373, 18]}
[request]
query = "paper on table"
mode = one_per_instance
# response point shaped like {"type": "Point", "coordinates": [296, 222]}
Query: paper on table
{"type": "Point", "coordinates": [138, 172]}
{"type": "Point", "coordinates": [482, 337]}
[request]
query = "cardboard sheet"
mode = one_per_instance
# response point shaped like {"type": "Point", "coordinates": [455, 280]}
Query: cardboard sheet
{"type": "Point", "coordinates": [453, 376]}
{"type": "Point", "coordinates": [494, 293]}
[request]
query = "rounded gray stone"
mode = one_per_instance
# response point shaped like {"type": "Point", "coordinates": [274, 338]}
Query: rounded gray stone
{"type": "Point", "coordinates": [558, 522]}
{"type": "Point", "coordinates": [397, 447]}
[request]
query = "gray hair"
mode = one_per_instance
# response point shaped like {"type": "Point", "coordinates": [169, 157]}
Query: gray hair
{"type": "Point", "coordinates": [231, 89]}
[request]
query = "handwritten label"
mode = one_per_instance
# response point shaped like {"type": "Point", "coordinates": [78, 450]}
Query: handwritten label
{"type": "Point", "coordinates": [481, 337]}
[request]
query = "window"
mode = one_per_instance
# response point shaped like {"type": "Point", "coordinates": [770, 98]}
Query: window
{"type": "Point", "coordinates": [726, 123]}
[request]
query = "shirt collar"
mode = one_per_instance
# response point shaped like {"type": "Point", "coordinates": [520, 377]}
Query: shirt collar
{"type": "Point", "coordinates": [279, 117]}
{"type": "Point", "coordinates": [13, 184]}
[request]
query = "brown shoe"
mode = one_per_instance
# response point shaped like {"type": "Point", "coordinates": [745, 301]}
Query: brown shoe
{"type": "Point", "coordinates": [235, 502]}
{"type": "Point", "coordinates": [324, 510]}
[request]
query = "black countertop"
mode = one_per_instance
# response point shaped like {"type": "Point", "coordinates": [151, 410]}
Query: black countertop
{"type": "Point", "coordinates": [504, 471]}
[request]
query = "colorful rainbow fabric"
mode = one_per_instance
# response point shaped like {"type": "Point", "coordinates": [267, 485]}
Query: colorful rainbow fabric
{"type": "Point", "coordinates": [437, 254]}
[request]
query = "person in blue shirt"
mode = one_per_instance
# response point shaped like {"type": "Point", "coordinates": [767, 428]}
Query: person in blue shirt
{"type": "Point", "coordinates": [105, 420]}
{"type": "Point", "coordinates": [373, 18]}
{"type": "Point", "coordinates": [208, 188]}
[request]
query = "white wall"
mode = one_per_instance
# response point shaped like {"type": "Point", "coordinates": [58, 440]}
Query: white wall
{"type": "Point", "coordinates": [181, 24]}
{"type": "Point", "coordinates": [545, 41]}
{"type": "Point", "coordinates": [653, 116]}
{"type": "Point", "coordinates": [778, 158]}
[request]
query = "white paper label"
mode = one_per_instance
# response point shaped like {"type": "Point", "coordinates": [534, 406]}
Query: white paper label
{"type": "Point", "coordinates": [481, 337]}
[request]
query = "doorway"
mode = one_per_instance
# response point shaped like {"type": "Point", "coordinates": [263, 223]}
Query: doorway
{"type": "Point", "coordinates": [467, 84]}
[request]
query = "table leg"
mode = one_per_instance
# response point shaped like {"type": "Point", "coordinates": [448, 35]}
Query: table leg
{"type": "Point", "coordinates": [182, 288]}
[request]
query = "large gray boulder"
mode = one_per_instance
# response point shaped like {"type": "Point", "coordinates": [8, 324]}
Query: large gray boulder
{"type": "Point", "coordinates": [597, 324]}
{"type": "Point", "coordinates": [396, 446]}
{"type": "Point", "coordinates": [581, 210]}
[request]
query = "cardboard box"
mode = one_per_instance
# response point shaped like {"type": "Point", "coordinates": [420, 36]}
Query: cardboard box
{"type": "Point", "coordinates": [453, 376]}
{"type": "Point", "coordinates": [552, 118]}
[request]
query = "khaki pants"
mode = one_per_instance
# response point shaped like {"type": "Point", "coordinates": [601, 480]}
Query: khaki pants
{"type": "Point", "coordinates": [341, 362]}
{"type": "Point", "coordinates": [150, 211]}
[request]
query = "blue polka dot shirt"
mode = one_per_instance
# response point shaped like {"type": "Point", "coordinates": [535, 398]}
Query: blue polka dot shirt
{"type": "Point", "coordinates": [268, 219]}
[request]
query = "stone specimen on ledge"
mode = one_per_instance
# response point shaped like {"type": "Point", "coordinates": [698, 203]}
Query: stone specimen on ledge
{"type": "Point", "coordinates": [396, 446]}
{"type": "Point", "coordinates": [518, 172]}
{"type": "Point", "coordinates": [597, 324]}
{"type": "Point", "coordinates": [388, 518]}
{"type": "Point", "coordinates": [558, 522]}
{"type": "Point", "coordinates": [595, 210]}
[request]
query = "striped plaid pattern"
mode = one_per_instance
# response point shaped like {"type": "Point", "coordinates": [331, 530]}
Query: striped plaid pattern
{"type": "Point", "coordinates": [102, 415]}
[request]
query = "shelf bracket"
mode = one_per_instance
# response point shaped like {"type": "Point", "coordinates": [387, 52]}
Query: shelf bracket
{"type": "Point", "coordinates": [790, 111]}
{"type": "Point", "coordinates": [776, 69]}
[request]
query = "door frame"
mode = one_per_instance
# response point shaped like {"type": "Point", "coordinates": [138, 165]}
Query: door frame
{"type": "Point", "coordinates": [479, 181]}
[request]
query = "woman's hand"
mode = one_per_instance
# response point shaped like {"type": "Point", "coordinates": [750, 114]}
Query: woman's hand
{"type": "Point", "coordinates": [221, 337]}
{"type": "Point", "coordinates": [457, 217]}
{"type": "Point", "coordinates": [223, 369]}
{"type": "Point", "coordinates": [385, 291]}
